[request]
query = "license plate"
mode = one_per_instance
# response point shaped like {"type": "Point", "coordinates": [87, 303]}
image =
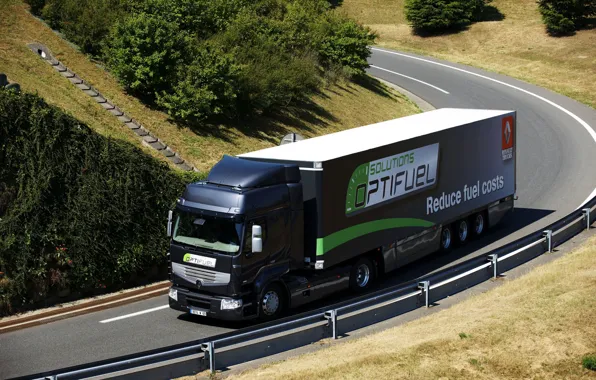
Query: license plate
{"type": "Point", "coordinates": [198, 312]}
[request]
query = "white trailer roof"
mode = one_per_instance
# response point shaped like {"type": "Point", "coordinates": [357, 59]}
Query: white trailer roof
{"type": "Point", "coordinates": [340, 144]}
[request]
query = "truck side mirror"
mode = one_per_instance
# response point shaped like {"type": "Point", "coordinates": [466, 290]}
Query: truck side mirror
{"type": "Point", "coordinates": [170, 214]}
{"type": "Point", "coordinates": [257, 241]}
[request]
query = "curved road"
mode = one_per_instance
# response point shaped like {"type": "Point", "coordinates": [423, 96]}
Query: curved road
{"type": "Point", "coordinates": [555, 176]}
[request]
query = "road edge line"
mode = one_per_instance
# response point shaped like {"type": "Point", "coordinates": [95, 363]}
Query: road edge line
{"type": "Point", "coordinates": [85, 307]}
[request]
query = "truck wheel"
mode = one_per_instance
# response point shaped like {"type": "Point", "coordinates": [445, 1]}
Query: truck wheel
{"type": "Point", "coordinates": [272, 302]}
{"type": "Point", "coordinates": [479, 224]}
{"type": "Point", "coordinates": [446, 238]}
{"type": "Point", "coordinates": [362, 274]}
{"type": "Point", "coordinates": [463, 231]}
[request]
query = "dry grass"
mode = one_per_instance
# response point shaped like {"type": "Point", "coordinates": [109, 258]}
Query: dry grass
{"type": "Point", "coordinates": [517, 46]}
{"type": "Point", "coordinates": [536, 327]}
{"type": "Point", "coordinates": [342, 106]}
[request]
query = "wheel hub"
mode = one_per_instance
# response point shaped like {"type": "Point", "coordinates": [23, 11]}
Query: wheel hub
{"type": "Point", "coordinates": [463, 231]}
{"type": "Point", "coordinates": [446, 238]}
{"type": "Point", "coordinates": [270, 303]}
{"type": "Point", "coordinates": [479, 224]}
{"type": "Point", "coordinates": [362, 275]}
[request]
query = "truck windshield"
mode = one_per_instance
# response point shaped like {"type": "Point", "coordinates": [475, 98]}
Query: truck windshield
{"type": "Point", "coordinates": [207, 232]}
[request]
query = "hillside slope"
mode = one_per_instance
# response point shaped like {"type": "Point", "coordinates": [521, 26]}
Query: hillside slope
{"type": "Point", "coordinates": [338, 107]}
{"type": "Point", "coordinates": [516, 45]}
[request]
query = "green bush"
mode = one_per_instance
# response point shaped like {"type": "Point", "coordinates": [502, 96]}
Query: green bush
{"type": "Point", "coordinates": [564, 17]}
{"type": "Point", "coordinates": [145, 51]}
{"type": "Point", "coordinates": [77, 210]}
{"type": "Point", "coordinates": [589, 362]}
{"type": "Point", "coordinates": [270, 77]}
{"type": "Point", "coordinates": [86, 23]}
{"type": "Point", "coordinates": [346, 43]}
{"type": "Point", "coordinates": [205, 88]}
{"type": "Point", "coordinates": [36, 6]}
{"type": "Point", "coordinates": [433, 16]}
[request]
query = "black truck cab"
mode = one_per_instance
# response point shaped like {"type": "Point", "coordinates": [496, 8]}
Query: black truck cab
{"type": "Point", "coordinates": [234, 235]}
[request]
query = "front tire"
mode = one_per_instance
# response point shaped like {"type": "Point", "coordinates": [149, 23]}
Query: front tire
{"type": "Point", "coordinates": [272, 302]}
{"type": "Point", "coordinates": [362, 275]}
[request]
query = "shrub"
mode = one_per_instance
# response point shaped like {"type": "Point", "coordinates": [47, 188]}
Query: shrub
{"type": "Point", "coordinates": [432, 16]}
{"type": "Point", "coordinates": [346, 43]}
{"type": "Point", "coordinates": [589, 362]}
{"type": "Point", "coordinates": [36, 6]}
{"type": "Point", "coordinates": [271, 77]}
{"type": "Point", "coordinates": [564, 17]}
{"type": "Point", "coordinates": [86, 23]}
{"type": "Point", "coordinates": [144, 52]}
{"type": "Point", "coordinates": [79, 211]}
{"type": "Point", "coordinates": [207, 87]}
{"type": "Point", "coordinates": [201, 18]}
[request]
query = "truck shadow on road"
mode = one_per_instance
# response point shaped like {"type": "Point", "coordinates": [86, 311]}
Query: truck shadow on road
{"type": "Point", "coordinates": [507, 231]}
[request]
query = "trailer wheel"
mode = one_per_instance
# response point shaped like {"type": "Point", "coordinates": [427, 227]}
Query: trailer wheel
{"type": "Point", "coordinates": [272, 302]}
{"type": "Point", "coordinates": [362, 274]}
{"type": "Point", "coordinates": [446, 238]}
{"type": "Point", "coordinates": [463, 231]}
{"type": "Point", "coordinates": [479, 224]}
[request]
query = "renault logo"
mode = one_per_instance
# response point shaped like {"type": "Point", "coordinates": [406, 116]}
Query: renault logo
{"type": "Point", "coordinates": [199, 283]}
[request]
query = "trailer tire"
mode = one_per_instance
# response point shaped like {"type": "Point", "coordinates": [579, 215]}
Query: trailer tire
{"type": "Point", "coordinates": [362, 274]}
{"type": "Point", "coordinates": [463, 231]}
{"type": "Point", "coordinates": [479, 224]}
{"type": "Point", "coordinates": [446, 238]}
{"type": "Point", "coordinates": [272, 302]}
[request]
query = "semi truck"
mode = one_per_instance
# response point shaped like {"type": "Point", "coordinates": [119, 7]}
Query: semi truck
{"type": "Point", "coordinates": [277, 228]}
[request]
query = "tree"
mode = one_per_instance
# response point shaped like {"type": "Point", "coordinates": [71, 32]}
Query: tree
{"type": "Point", "coordinates": [432, 16]}
{"type": "Point", "coordinates": [206, 87]}
{"type": "Point", "coordinates": [346, 43]}
{"type": "Point", "coordinates": [564, 17]}
{"type": "Point", "coordinates": [144, 52]}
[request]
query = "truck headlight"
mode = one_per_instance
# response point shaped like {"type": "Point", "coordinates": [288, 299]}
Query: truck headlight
{"type": "Point", "coordinates": [229, 304]}
{"type": "Point", "coordinates": [174, 294]}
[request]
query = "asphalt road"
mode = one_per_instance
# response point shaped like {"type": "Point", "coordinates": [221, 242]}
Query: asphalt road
{"type": "Point", "coordinates": [555, 176]}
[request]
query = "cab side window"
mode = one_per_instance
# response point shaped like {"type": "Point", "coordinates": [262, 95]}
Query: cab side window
{"type": "Point", "coordinates": [248, 234]}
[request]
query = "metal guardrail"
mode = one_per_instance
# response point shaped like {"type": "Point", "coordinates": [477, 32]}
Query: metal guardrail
{"type": "Point", "coordinates": [260, 341]}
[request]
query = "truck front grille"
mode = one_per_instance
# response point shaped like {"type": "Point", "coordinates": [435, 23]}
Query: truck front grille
{"type": "Point", "coordinates": [207, 277]}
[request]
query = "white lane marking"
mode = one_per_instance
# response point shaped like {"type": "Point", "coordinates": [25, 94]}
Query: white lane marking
{"type": "Point", "coordinates": [408, 77]}
{"type": "Point", "coordinates": [50, 317]}
{"type": "Point", "coordinates": [577, 118]}
{"type": "Point", "coordinates": [134, 314]}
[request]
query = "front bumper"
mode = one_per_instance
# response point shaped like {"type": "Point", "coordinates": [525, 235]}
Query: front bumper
{"type": "Point", "coordinates": [210, 305]}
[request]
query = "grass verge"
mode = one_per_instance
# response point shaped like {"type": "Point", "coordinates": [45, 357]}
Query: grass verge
{"type": "Point", "coordinates": [516, 45]}
{"type": "Point", "coordinates": [340, 106]}
{"type": "Point", "coordinates": [539, 326]}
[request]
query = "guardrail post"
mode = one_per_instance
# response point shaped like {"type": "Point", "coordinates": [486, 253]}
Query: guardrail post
{"type": "Point", "coordinates": [209, 350]}
{"type": "Point", "coordinates": [331, 317]}
{"type": "Point", "coordinates": [548, 234]}
{"type": "Point", "coordinates": [587, 214]}
{"type": "Point", "coordinates": [494, 260]}
{"type": "Point", "coordinates": [425, 286]}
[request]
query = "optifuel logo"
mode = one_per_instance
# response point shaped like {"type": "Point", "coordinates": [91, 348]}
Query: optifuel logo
{"type": "Point", "coordinates": [507, 133]}
{"type": "Point", "coordinates": [392, 177]}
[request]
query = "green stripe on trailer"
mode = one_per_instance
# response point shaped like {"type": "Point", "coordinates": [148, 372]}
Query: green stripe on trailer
{"type": "Point", "coordinates": [338, 238]}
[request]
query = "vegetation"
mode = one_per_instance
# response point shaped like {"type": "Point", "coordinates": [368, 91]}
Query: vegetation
{"type": "Point", "coordinates": [268, 54]}
{"type": "Point", "coordinates": [589, 362]}
{"type": "Point", "coordinates": [564, 17]}
{"type": "Point", "coordinates": [77, 210]}
{"type": "Point", "coordinates": [538, 326]}
{"type": "Point", "coordinates": [510, 40]}
{"type": "Point", "coordinates": [432, 16]}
